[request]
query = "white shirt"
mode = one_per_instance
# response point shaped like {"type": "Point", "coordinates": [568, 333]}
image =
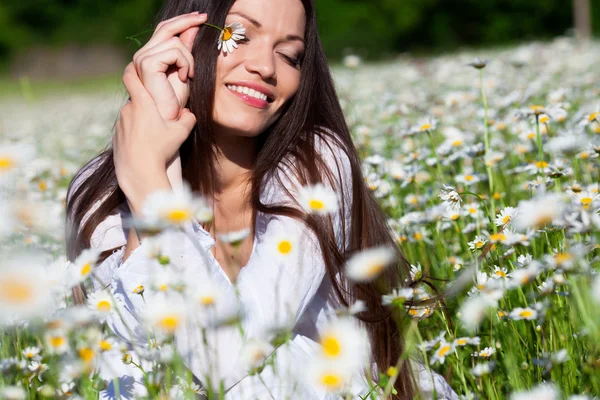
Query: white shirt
{"type": "Point", "coordinates": [298, 293]}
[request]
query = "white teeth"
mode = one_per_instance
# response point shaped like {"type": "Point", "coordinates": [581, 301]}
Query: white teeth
{"type": "Point", "coordinates": [248, 91]}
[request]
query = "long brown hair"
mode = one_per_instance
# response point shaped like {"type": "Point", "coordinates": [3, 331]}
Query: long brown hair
{"type": "Point", "coordinates": [313, 111]}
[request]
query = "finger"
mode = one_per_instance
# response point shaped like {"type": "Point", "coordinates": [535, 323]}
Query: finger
{"type": "Point", "coordinates": [161, 23]}
{"type": "Point", "coordinates": [160, 62]}
{"type": "Point", "coordinates": [137, 92]}
{"type": "Point", "coordinates": [176, 27]}
{"type": "Point", "coordinates": [187, 120]}
{"type": "Point", "coordinates": [189, 36]}
{"type": "Point", "coordinates": [174, 42]}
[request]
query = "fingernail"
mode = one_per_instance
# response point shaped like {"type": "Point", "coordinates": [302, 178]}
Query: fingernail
{"type": "Point", "coordinates": [195, 12]}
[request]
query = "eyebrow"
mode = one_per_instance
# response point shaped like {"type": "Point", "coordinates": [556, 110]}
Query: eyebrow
{"type": "Point", "coordinates": [259, 25]}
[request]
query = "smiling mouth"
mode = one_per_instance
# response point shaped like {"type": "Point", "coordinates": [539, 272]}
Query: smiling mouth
{"type": "Point", "coordinates": [250, 92]}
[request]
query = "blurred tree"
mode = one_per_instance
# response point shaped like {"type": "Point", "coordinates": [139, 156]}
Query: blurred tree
{"type": "Point", "coordinates": [583, 19]}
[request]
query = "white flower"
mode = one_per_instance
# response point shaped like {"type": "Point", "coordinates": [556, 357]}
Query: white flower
{"type": "Point", "coordinates": [368, 264]}
{"type": "Point", "coordinates": [397, 297]}
{"type": "Point", "coordinates": [25, 287]}
{"type": "Point", "coordinates": [344, 340]}
{"type": "Point", "coordinates": [83, 265]}
{"type": "Point", "coordinates": [32, 353]}
{"type": "Point", "coordinates": [485, 353]}
{"type": "Point", "coordinates": [254, 353]}
{"type": "Point", "coordinates": [482, 369]}
{"type": "Point", "coordinates": [230, 35]}
{"type": "Point", "coordinates": [505, 216]}
{"type": "Point", "coordinates": [166, 314]}
{"type": "Point", "coordinates": [444, 349]}
{"type": "Point", "coordinates": [318, 199]}
{"type": "Point", "coordinates": [102, 302]}
{"type": "Point", "coordinates": [14, 158]}
{"type": "Point", "coordinates": [523, 313]}
{"type": "Point", "coordinates": [328, 376]}
{"type": "Point", "coordinates": [472, 312]}
{"type": "Point", "coordinates": [234, 238]}
{"type": "Point", "coordinates": [538, 212]}
{"type": "Point", "coordinates": [543, 391]}
{"type": "Point", "coordinates": [176, 207]}
{"type": "Point", "coordinates": [13, 393]}
{"type": "Point", "coordinates": [56, 341]}
{"type": "Point", "coordinates": [477, 243]}
{"type": "Point", "coordinates": [352, 61]}
{"type": "Point", "coordinates": [450, 197]}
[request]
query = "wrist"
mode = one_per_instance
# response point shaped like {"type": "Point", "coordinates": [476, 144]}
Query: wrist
{"type": "Point", "coordinates": [138, 190]}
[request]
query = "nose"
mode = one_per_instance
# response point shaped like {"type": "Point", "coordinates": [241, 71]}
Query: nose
{"type": "Point", "coordinates": [261, 60]}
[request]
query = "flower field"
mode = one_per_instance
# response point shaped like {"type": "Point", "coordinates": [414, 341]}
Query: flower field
{"type": "Point", "coordinates": [487, 166]}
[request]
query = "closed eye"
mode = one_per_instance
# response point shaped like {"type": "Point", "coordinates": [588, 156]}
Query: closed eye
{"type": "Point", "coordinates": [294, 62]}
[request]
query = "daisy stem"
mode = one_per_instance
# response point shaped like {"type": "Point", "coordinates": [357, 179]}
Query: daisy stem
{"type": "Point", "coordinates": [538, 136]}
{"type": "Point", "coordinates": [213, 26]}
{"type": "Point", "coordinates": [486, 138]}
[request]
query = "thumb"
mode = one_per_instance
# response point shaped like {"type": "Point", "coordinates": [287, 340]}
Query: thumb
{"type": "Point", "coordinates": [187, 120]}
{"type": "Point", "coordinates": [189, 36]}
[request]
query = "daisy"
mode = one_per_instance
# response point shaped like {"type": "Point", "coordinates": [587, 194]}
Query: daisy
{"type": "Point", "coordinates": [477, 243]}
{"type": "Point", "coordinates": [165, 208]}
{"type": "Point", "coordinates": [543, 391]}
{"type": "Point", "coordinates": [318, 199]}
{"type": "Point", "coordinates": [586, 200]}
{"type": "Point", "coordinates": [368, 264]}
{"type": "Point", "coordinates": [485, 353]}
{"type": "Point", "coordinates": [13, 158]}
{"type": "Point", "coordinates": [506, 215]}
{"type": "Point", "coordinates": [343, 340]}
{"type": "Point", "coordinates": [482, 368]}
{"type": "Point", "coordinates": [102, 302]}
{"type": "Point", "coordinates": [397, 297]}
{"type": "Point", "coordinates": [82, 267]}
{"type": "Point", "coordinates": [523, 313]}
{"type": "Point", "coordinates": [56, 342]}
{"type": "Point", "coordinates": [472, 312]}
{"type": "Point", "coordinates": [25, 287]}
{"type": "Point", "coordinates": [330, 377]}
{"type": "Point", "coordinates": [165, 314]}
{"type": "Point", "coordinates": [254, 353]}
{"type": "Point", "coordinates": [32, 353]}
{"type": "Point", "coordinates": [450, 197]}
{"type": "Point", "coordinates": [463, 341]}
{"type": "Point", "coordinates": [231, 34]}
{"type": "Point", "coordinates": [500, 273]}
{"type": "Point", "coordinates": [538, 212]}
{"type": "Point", "coordinates": [234, 238]}
{"type": "Point", "coordinates": [444, 349]}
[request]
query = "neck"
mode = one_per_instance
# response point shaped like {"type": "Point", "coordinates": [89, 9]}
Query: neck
{"type": "Point", "coordinates": [235, 156]}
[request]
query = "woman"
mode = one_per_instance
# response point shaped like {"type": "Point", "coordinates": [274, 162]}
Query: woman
{"type": "Point", "coordinates": [189, 117]}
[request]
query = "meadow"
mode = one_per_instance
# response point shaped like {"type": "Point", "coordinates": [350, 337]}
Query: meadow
{"type": "Point", "coordinates": [486, 163]}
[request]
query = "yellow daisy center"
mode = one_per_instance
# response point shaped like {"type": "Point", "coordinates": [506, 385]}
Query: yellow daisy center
{"type": "Point", "coordinates": [284, 247]}
{"type": "Point", "coordinates": [331, 381]}
{"type": "Point", "coordinates": [57, 341]}
{"type": "Point", "coordinates": [425, 127]}
{"type": "Point", "coordinates": [461, 342]}
{"type": "Point", "coordinates": [6, 163]}
{"type": "Point", "coordinates": [544, 119]}
{"type": "Point", "coordinates": [331, 346]}
{"type": "Point", "coordinates": [105, 345]}
{"type": "Point", "coordinates": [586, 201]}
{"type": "Point", "coordinates": [227, 33]}
{"type": "Point", "coordinates": [15, 292]}
{"type": "Point", "coordinates": [561, 258]}
{"type": "Point", "coordinates": [541, 164]}
{"type": "Point", "coordinates": [526, 313]}
{"type": "Point", "coordinates": [86, 354]}
{"type": "Point", "coordinates": [104, 306]}
{"type": "Point", "coordinates": [457, 143]}
{"type": "Point", "coordinates": [593, 116]}
{"type": "Point", "coordinates": [444, 350]}
{"type": "Point", "coordinates": [178, 215]}
{"type": "Point", "coordinates": [392, 371]}
{"type": "Point", "coordinates": [418, 236]}
{"type": "Point", "coordinates": [479, 244]}
{"type": "Point", "coordinates": [543, 220]}
{"type": "Point", "coordinates": [207, 300]}
{"type": "Point", "coordinates": [138, 289]}
{"type": "Point", "coordinates": [501, 273]}
{"type": "Point", "coordinates": [316, 204]}
{"type": "Point", "coordinates": [506, 219]}
{"type": "Point", "coordinates": [169, 323]}
{"type": "Point", "coordinates": [86, 269]}
{"type": "Point", "coordinates": [468, 178]}
{"type": "Point", "coordinates": [497, 237]}
{"type": "Point", "coordinates": [43, 186]}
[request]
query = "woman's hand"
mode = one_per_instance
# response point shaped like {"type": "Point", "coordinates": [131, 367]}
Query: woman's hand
{"type": "Point", "coordinates": [144, 142]}
{"type": "Point", "coordinates": [165, 63]}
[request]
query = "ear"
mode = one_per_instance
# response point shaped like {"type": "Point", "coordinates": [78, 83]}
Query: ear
{"type": "Point", "coordinates": [188, 37]}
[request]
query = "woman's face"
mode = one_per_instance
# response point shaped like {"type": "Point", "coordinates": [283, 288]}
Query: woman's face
{"type": "Point", "coordinates": [265, 62]}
